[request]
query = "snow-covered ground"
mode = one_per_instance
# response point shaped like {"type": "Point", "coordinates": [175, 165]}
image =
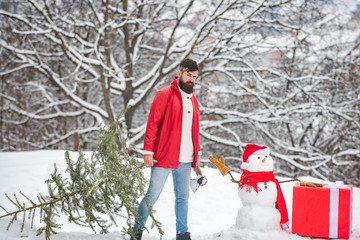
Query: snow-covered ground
{"type": "Point", "coordinates": [212, 215]}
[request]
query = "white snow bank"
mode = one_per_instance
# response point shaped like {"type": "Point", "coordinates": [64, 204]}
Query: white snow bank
{"type": "Point", "coordinates": [212, 209]}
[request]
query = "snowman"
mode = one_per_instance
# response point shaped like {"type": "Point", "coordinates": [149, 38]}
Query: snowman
{"type": "Point", "coordinates": [263, 204]}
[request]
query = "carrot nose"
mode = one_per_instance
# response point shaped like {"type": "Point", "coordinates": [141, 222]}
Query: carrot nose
{"type": "Point", "coordinates": [263, 160]}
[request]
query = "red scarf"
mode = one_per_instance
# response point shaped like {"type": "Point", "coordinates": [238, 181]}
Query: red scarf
{"type": "Point", "coordinates": [250, 179]}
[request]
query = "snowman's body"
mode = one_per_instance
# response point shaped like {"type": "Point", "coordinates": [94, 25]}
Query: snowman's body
{"type": "Point", "coordinates": [258, 211]}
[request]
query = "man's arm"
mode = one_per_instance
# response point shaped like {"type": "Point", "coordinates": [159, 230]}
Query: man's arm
{"type": "Point", "coordinates": [156, 115]}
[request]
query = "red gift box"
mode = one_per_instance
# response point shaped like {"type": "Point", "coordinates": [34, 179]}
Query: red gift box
{"type": "Point", "coordinates": [322, 212]}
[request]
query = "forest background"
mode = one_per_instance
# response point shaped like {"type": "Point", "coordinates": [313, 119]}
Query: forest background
{"type": "Point", "coordinates": [281, 73]}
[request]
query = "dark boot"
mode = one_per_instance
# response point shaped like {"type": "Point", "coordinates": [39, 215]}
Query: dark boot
{"type": "Point", "coordinates": [185, 236]}
{"type": "Point", "coordinates": [137, 233]}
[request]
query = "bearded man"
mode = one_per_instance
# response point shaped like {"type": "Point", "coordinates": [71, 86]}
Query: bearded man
{"type": "Point", "coordinates": [172, 139]}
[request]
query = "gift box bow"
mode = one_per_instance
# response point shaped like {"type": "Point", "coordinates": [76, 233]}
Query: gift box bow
{"type": "Point", "coordinates": [337, 185]}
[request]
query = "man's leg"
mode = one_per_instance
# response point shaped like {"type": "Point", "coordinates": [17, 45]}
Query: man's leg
{"type": "Point", "coordinates": [181, 177]}
{"type": "Point", "coordinates": [157, 181]}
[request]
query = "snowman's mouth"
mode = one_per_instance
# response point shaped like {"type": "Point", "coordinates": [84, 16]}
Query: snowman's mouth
{"type": "Point", "coordinates": [265, 164]}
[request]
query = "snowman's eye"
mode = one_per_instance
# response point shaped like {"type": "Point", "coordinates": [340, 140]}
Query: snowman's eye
{"type": "Point", "coordinates": [258, 157]}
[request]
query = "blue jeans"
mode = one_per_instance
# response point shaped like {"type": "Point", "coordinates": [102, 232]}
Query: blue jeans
{"type": "Point", "coordinates": [181, 179]}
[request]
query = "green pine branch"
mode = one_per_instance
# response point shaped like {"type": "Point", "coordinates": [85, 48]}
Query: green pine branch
{"type": "Point", "coordinates": [22, 208]}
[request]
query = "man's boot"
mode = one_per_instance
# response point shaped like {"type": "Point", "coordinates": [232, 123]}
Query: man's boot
{"type": "Point", "coordinates": [137, 233]}
{"type": "Point", "coordinates": [185, 236]}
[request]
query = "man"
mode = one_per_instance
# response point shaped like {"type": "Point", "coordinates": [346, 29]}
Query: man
{"type": "Point", "coordinates": [172, 139]}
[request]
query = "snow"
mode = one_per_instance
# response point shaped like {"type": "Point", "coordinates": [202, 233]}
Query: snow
{"type": "Point", "coordinates": [212, 209]}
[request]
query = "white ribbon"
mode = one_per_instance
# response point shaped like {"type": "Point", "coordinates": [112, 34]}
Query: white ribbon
{"type": "Point", "coordinates": [336, 185]}
{"type": "Point", "coordinates": [334, 207]}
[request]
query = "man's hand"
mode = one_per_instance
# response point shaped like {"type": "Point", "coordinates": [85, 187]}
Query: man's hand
{"type": "Point", "coordinates": [148, 160]}
{"type": "Point", "coordinates": [197, 163]}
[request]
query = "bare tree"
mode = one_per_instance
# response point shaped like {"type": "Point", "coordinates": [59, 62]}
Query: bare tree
{"type": "Point", "coordinates": [279, 73]}
{"type": "Point", "coordinates": [293, 85]}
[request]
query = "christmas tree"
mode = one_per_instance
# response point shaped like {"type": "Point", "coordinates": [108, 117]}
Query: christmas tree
{"type": "Point", "coordinates": [92, 192]}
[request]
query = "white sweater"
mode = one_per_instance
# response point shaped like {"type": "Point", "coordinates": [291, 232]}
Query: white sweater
{"type": "Point", "coordinates": [186, 146]}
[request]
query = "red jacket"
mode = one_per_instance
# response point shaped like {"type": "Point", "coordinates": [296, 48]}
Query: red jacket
{"type": "Point", "coordinates": [163, 130]}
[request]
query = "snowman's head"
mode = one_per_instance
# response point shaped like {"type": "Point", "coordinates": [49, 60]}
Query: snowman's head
{"type": "Point", "coordinates": [257, 159]}
{"type": "Point", "coordinates": [260, 163]}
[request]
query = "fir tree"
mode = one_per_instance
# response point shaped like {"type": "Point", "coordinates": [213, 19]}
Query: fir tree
{"type": "Point", "coordinates": [92, 192]}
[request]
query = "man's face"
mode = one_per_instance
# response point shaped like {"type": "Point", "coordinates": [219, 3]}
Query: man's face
{"type": "Point", "coordinates": [187, 80]}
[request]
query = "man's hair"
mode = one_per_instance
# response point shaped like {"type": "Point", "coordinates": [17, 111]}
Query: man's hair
{"type": "Point", "coordinates": [188, 65]}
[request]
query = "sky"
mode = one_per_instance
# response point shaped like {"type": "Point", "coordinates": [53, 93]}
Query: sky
{"type": "Point", "coordinates": [213, 208]}
{"type": "Point", "coordinates": [351, 5]}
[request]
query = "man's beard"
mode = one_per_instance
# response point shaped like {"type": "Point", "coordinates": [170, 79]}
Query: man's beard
{"type": "Point", "coordinates": [186, 87]}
